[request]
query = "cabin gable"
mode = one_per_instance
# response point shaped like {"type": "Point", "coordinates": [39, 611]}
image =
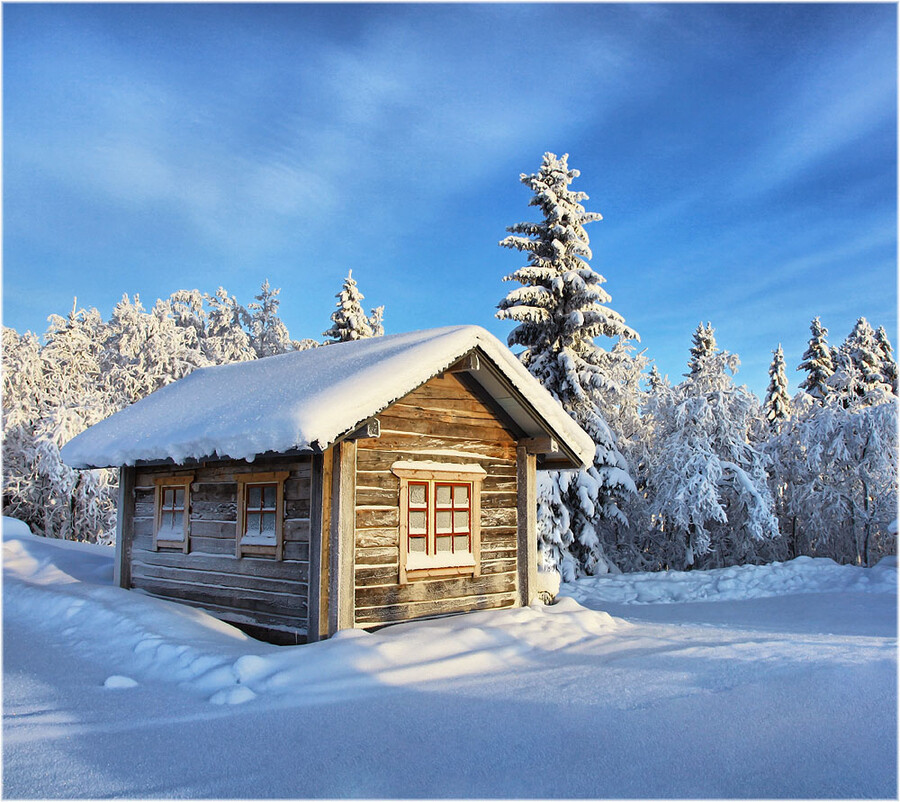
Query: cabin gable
{"type": "Point", "coordinates": [443, 422]}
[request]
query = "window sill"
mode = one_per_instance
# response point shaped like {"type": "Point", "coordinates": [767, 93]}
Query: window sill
{"type": "Point", "coordinates": [255, 550]}
{"type": "Point", "coordinates": [447, 571]}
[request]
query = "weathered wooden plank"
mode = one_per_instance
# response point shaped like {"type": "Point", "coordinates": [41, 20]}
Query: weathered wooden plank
{"type": "Point", "coordinates": [296, 530]}
{"type": "Point", "coordinates": [374, 459]}
{"type": "Point", "coordinates": [213, 510]}
{"type": "Point", "coordinates": [377, 555]}
{"type": "Point", "coordinates": [367, 496]}
{"type": "Point", "coordinates": [314, 597]}
{"type": "Point", "coordinates": [499, 552]}
{"type": "Point", "coordinates": [373, 575]}
{"type": "Point", "coordinates": [527, 525]}
{"type": "Point", "coordinates": [504, 517]}
{"type": "Point", "coordinates": [124, 528]}
{"type": "Point", "coordinates": [142, 526]}
{"type": "Point", "coordinates": [342, 536]}
{"type": "Point", "coordinates": [213, 492]}
{"type": "Point", "coordinates": [294, 550]}
{"type": "Point", "coordinates": [377, 517]}
{"type": "Point", "coordinates": [394, 440]}
{"type": "Point", "coordinates": [225, 564]}
{"type": "Point", "coordinates": [470, 429]}
{"type": "Point", "coordinates": [506, 566]}
{"type": "Point", "coordinates": [244, 600]}
{"type": "Point", "coordinates": [492, 500]}
{"type": "Point", "coordinates": [226, 530]}
{"type": "Point", "coordinates": [210, 545]}
{"type": "Point", "coordinates": [296, 507]}
{"type": "Point", "coordinates": [431, 608]}
{"type": "Point", "coordinates": [445, 410]}
{"type": "Point", "coordinates": [285, 623]}
{"type": "Point", "coordinates": [237, 581]}
{"type": "Point", "coordinates": [451, 588]}
{"type": "Point", "coordinates": [325, 584]}
{"type": "Point", "coordinates": [385, 536]}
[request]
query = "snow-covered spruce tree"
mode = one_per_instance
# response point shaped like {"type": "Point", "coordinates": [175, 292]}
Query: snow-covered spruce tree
{"type": "Point", "coordinates": [708, 485]}
{"type": "Point", "coordinates": [559, 310]}
{"type": "Point", "coordinates": [777, 405]}
{"type": "Point", "coordinates": [349, 322]}
{"type": "Point", "coordinates": [817, 362]}
{"type": "Point", "coordinates": [858, 378]}
{"type": "Point", "coordinates": [268, 334]}
{"type": "Point", "coordinates": [703, 345]}
{"type": "Point", "coordinates": [888, 363]}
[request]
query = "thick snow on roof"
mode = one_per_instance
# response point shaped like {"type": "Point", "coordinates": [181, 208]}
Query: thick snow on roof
{"type": "Point", "coordinates": [299, 400]}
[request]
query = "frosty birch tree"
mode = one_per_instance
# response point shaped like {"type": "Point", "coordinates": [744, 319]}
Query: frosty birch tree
{"type": "Point", "coordinates": [777, 405]}
{"type": "Point", "coordinates": [349, 322]}
{"type": "Point", "coordinates": [559, 310]}
{"type": "Point", "coordinates": [817, 362]}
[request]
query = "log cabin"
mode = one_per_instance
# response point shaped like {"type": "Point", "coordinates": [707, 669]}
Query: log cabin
{"type": "Point", "coordinates": [352, 485]}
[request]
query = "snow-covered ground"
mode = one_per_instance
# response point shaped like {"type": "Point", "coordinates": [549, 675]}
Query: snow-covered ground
{"type": "Point", "coordinates": [776, 681]}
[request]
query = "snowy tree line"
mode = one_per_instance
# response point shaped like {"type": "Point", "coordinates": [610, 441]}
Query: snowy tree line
{"type": "Point", "coordinates": [85, 368]}
{"type": "Point", "coordinates": [699, 473]}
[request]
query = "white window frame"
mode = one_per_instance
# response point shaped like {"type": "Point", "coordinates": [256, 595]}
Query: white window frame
{"type": "Point", "coordinates": [432, 474]}
{"type": "Point", "coordinates": [244, 482]}
{"type": "Point", "coordinates": [172, 482]}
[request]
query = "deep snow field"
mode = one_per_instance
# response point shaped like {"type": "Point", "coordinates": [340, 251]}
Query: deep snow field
{"type": "Point", "coordinates": [774, 681]}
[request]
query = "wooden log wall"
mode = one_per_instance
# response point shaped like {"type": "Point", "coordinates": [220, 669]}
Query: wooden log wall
{"type": "Point", "coordinates": [442, 421]}
{"type": "Point", "coordinates": [253, 590]}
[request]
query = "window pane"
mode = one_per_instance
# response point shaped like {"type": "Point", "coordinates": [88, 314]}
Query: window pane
{"type": "Point", "coordinates": [168, 495]}
{"type": "Point", "coordinates": [253, 523]}
{"type": "Point", "coordinates": [461, 521]}
{"type": "Point", "coordinates": [177, 521]}
{"type": "Point", "coordinates": [253, 496]}
{"type": "Point", "coordinates": [461, 496]}
{"type": "Point", "coordinates": [417, 545]}
{"type": "Point", "coordinates": [179, 497]}
{"type": "Point", "coordinates": [443, 522]}
{"type": "Point", "coordinates": [268, 524]}
{"type": "Point", "coordinates": [442, 495]}
{"type": "Point", "coordinates": [460, 543]}
{"type": "Point", "coordinates": [417, 523]}
{"type": "Point", "coordinates": [443, 544]}
{"type": "Point", "coordinates": [269, 494]}
{"type": "Point", "coordinates": [417, 495]}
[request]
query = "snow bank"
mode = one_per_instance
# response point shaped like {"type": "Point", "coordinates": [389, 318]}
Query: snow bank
{"type": "Point", "coordinates": [47, 582]}
{"type": "Point", "coordinates": [302, 400]}
{"type": "Point", "coordinates": [800, 575]}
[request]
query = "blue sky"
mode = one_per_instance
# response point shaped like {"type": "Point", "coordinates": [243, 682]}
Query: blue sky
{"type": "Point", "coordinates": [743, 157]}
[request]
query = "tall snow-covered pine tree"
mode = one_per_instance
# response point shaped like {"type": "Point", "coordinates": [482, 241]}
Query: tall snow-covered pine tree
{"type": "Point", "coordinates": [349, 322]}
{"type": "Point", "coordinates": [777, 405]}
{"type": "Point", "coordinates": [559, 310]}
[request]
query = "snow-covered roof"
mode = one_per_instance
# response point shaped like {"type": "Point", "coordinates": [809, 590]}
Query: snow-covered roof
{"type": "Point", "coordinates": [307, 400]}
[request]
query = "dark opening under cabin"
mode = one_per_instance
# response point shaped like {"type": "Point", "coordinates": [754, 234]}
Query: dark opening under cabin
{"type": "Point", "coordinates": [352, 485]}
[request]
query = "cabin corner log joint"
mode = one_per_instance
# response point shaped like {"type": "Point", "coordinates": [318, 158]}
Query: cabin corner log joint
{"type": "Point", "coordinates": [415, 498]}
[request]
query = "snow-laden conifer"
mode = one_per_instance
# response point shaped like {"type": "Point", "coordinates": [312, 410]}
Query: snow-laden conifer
{"type": "Point", "coordinates": [777, 405]}
{"type": "Point", "coordinates": [817, 362]}
{"type": "Point", "coordinates": [703, 345]}
{"type": "Point", "coordinates": [707, 484]}
{"type": "Point", "coordinates": [349, 322]}
{"type": "Point", "coordinates": [888, 363]}
{"type": "Point", "coordinates": [859, 378]}
{"type": "Point", "coordinates": [836, 465]}
{"type": "Point", "coordinates": [268, 334]}
{"type": "Point", "coordinates": [559, 309]}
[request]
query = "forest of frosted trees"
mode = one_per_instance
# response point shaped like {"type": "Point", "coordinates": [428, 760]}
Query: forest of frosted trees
{"type": "Point", "coordinates": [695, 473]}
